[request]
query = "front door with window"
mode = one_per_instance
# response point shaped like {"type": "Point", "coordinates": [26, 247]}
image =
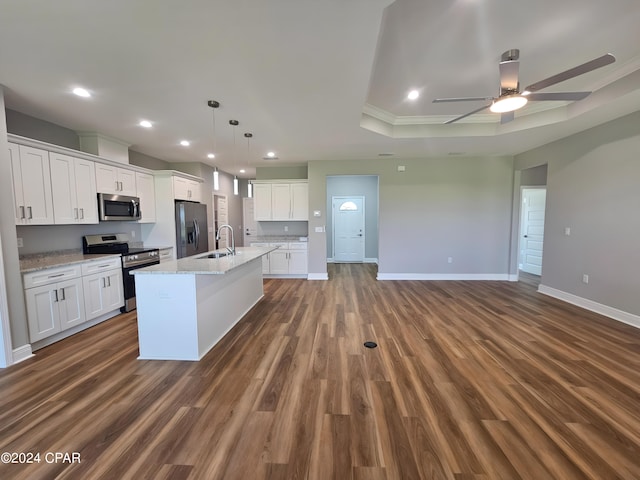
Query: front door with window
{"type": "Point", "coordinates": [348, 229]}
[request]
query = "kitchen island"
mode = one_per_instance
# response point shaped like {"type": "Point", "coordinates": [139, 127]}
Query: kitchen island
{"type": "Point", "coordinates": [186, 306]}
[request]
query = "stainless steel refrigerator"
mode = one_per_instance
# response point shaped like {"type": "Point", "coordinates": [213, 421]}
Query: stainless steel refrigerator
{"type": "Point", "coordinates": [191, 229]}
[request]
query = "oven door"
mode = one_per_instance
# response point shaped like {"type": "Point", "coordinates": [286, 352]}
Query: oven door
{"type": "Point", "coordinates": [130, 285]}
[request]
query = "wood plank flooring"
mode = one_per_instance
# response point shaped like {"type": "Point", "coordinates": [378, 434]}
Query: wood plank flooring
{"type": "Point", "coordinates": [470, 380]}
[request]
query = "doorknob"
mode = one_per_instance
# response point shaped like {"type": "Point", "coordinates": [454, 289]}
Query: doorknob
{"type": "Point", "coordinates": [526, 236]}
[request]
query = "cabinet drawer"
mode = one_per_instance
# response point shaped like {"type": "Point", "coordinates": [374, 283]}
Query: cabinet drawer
{"type": "Point", "coordinates": [284, 245]}
{"type": "Point", "coordinates": [96, 266]}
{"type": "Point", "coordinates": [51, 275]}
{"type": "Point", "coordinates": [259, 244]}
{"type": "Point", "coordinates": [297, 245]}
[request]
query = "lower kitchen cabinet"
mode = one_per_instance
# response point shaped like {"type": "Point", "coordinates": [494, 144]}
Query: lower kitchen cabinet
{"type": "Point", "coordinates": [60, 298]}
{"type": "Point", "coordinates": [53, 308]}
{"type": "Point", "coordinates": [103, 292]}
{"type": "Point", "coordinates": [289, 259]}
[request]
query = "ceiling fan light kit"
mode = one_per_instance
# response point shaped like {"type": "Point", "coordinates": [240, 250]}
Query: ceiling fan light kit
{"type": "Point", "coordinates": [511, 98]}
{"type": "Point", "coordinates": [508, 103]}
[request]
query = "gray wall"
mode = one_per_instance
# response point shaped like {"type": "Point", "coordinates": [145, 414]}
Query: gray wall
{"type": "Point", "coordinates": [534, 176]}
{"type": "Point", "coordinates": [437, 208]}
{"type": "Point", "coordinates": [13, 278]}
{"type": "Point", "coordinates": [356, 185]}
{"type": "Point", "coordinates": [593, 187]}
{"type": "Point", "coordinates": [31, 127]}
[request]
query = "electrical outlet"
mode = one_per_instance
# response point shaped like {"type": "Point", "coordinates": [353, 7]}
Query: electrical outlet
{"type": "Point", "coordinates": [133, 234]}
{"type": "Point", "coordinates": [585, 278]}
{"type": "Point", "coordinates": [286, 228]}
{"type": "Point", "coordinates": [567, 231]}
{"type": "Point", "coordinates": [20, 242]}
{"type": "Point", "coordinates": [450, 260]}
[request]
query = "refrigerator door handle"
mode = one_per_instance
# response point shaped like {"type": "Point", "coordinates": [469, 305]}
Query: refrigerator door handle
{"type": "Point", "coordinates": [196, 230]}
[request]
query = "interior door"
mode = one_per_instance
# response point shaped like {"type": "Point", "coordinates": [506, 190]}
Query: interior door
{"type": "Point", "coordinates": [532, 229]}
{"type": "Point", "coordinates": [348, 229]}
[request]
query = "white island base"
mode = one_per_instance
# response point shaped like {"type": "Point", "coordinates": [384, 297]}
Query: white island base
{"type": "Point", "coordinates": [182, 316]}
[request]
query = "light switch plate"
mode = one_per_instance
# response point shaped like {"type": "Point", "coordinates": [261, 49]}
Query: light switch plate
{"type": "Point", "coordinates": [316, 213]}
{"type": "Point", "coordinates": [319, 229]}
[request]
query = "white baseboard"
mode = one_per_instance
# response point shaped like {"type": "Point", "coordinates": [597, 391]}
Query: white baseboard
{"type": "Point", "coordinates": [607, 311]}
{"type": "Point", "coordinates": [318, 276]}
{"type": "Point", "coordinates": [366, 260]}
{"type": "Point", "coordinates": [22, 353]}
{"type": "Point", "coordinates": [371, 260]}
{"type": "Point", "coordinates": [444, 276]}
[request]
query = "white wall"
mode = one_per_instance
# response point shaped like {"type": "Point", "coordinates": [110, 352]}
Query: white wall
{"type": "Point", "coordinates": [593, 187]}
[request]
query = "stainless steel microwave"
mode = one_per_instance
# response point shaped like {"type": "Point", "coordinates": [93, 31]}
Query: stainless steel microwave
{"type": "Point", "coordinates": [118, 207]}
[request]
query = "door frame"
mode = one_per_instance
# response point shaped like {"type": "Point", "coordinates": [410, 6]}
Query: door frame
{"type": "Point", "coordinates": [333, 224]}
{"type": "Point", "coordinates": [214, 212]}
{"type": "Point", "coordinates": [519, 261]}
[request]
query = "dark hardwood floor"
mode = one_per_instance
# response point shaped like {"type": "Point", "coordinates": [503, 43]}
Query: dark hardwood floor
{"type": "Point", "coordinates": [470, 380]}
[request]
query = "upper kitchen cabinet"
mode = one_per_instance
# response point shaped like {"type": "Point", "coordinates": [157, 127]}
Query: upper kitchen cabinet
{"type": "Point", "coordinates": [186, 189]}
{"type": "Point", "coordinates": [111, 179]}
{"type": "Point", "coordinates": [147, 194]}
{"type": "Point", "coordinates": [33, 202]}
{"type": "Point", "coordinates": [73, 186]}
{"type": "Point", "coordinates": [280, 200]}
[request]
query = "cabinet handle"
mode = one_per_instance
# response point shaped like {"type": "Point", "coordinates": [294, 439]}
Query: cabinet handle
{"type": "Point", "coordinates": [109, 280]}
{"type": "Point", "coordinates": [81, 213]}
{"type": "Point", "coordinates": [75, 213]}
{"type": "Point", "coordinates": [104, 282]}
{"type": "Point", "coordinates": [22, 212]}
{"type": "Point", "coordinates": [62, 294]}
{"type": "Point", "coordinates": [30, 213]}
{"type": "Point", "coordinates": [56, 275]}
{"type": "Point", "coordinates": [56, 292]}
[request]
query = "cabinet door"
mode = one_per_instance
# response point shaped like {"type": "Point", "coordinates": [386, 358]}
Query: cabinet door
{"type": "Point", "coordinates": [146, 192]}
{"type": "Point", "coordinates": [18, 194]}
{"type": "Point", "coordinates": [106, 179]}
{"type": "Point", "coordinates": [43, 313]}
{"type": "Point", "coordinates": [180, 188]}
{"type": "Point", "coordinates": [280, 201]}
{"type": "Point", "coordinates": [36, 186]}
{"type": "Point", "coordinates": [298, 261]}
{"type": "Point", "coordinates": [85, 175]}
{"type": "Point", "coordinates": [262, 204]}
{"type": "Point", "coordinates": [299, 201]}
{"type": "Point", "coordinates": [114, 294]}
{"type": "Point", "coordinates": [63, 189]}
{"type": "Point", "coordinates": [127, 182]}
{"type": "Point", "coordinates": [279, 262]}
{"type": "Point", "coordinates": [70, 303]}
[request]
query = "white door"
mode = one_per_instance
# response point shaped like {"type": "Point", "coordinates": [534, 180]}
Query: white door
{"type": "Point", "coordinates": [250, 225]}
{"type": "Point", "coordinates": [532, 229]}
{"type": "Point", "coordinates": [221, 217]}
{"type": "Point", "coordinates": [348, 229]}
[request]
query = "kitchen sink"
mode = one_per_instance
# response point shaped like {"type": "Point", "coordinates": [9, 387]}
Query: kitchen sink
{"type": "Point", "coordinates": [216, 255]}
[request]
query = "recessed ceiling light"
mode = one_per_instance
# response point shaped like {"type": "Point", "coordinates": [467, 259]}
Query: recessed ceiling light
{"type": "Point", "coordinates": [242, 170]}
{"type": "Point", "coordinates": [211, 155]}
{"type": "Point", "coordinates": [185, 143]}
{"type": "Point", "coordinates": [145, 124]}
{"type": "Point", "coordinates": [81, 92]}
{"type": "Point", "coordinates": [413, 94]}
{"type": "Point", "coordinates": [271, 154]}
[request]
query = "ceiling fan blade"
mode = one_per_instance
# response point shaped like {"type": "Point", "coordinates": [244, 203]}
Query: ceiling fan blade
{"type": "Point", "coordinates": [466, 114]}
{"type": "Point", "coordinates": [509, 75]}
{"type": "Point", "coordinates": [557, 96]}
{"type": "Point", "coordinates": [507, 117]}
{"type": "Point", "coordinates": [464, 99]}
{"type": "Point", "coordinates": [572, 72]}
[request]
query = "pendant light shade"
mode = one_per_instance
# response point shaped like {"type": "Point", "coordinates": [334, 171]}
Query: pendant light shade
{"type": "Point", "coordinates": [234, 124]}
{"type": "Point", "coordinates": [249, 189]}
{"type": "Point", "coordinates": [214, 104]}
{"type": "Point", "coordinates": [248, 136]}
{"type": "Point", "coordinates": [235, 185]}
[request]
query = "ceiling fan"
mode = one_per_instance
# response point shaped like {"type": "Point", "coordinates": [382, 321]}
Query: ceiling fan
{"type": "Point", "coordinates": [511, 98]}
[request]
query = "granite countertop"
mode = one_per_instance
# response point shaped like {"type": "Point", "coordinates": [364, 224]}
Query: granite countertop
{"type": "Point", "coordinates": [275, 238]}
{"type": "Point", "coordinates": [42, 261]}
{"type": "Point", "coordinates": [206, 266]}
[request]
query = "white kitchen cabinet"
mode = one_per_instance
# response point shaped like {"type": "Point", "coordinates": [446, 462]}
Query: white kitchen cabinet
{"type": "Point", "coordinates": [145, 189]}
{"type": "Point", "coordinates": [281, 201]}
{"type": "Point", "coordinates": [279, 262]}
{"type": "Point", "coordinates": [33, 202]}
{"type": "Point", "coordinates": [289, 259]}
{"type": "Point", "coordinates": [103, 292]}
{"type": "Point", "coordinates": [186, 189]}
{"type": "Point", "coordinates": [265, 258]}
{"type": "Point", "coordinates": [166, 254]}
{"type": "Point", "coordinates": [112, 179]}
{"type": "Point", "coordinates": [54, 301]}
{"type": "Point", "coordinates": [73, 186]}
{"type": "Point", "coordinates": [262, 203]}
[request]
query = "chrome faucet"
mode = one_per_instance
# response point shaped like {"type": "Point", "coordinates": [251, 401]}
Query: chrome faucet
{"type": "Point", "coordinates": [232, 249]}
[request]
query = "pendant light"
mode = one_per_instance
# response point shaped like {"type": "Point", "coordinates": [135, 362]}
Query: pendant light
{"type": "Point", "coordinates": [216, 180]}
{"type": "Point", "coordinates": [249, 185]}
{"type": "Point", "coordinates": [234, 123]}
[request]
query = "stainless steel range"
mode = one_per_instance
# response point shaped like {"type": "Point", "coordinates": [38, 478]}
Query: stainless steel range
{"type": "Point", "coordinates": [132, 259]}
